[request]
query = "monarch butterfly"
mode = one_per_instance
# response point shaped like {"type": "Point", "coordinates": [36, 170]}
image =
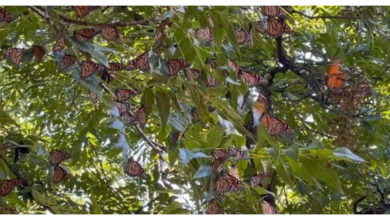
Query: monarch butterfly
{"type": "Point", "coordinates": [85, 34]}
{"type": "Point", "coordinates": [204, 34]}
{"type": "Point", "coordinates": [67, 61]}
{"type": "Point", "coordinates": [110, 33]}
{"type": "Point", "coordinates": [87, 68]}
{"type": "Point", "coordinates": [221, 155]}
{"type": "Point", "coordinates": [133, 168]}
{"type": "Point", "coordinates": [5, 15]}
{"type": "Point", "coordinates": [211, 62]}
{"type": "Point", "coordinates": [123, 94]}
{"type": "Point", "coordinates": [141, 62]}
{"type": "Point", "coordinates": [211, 81]}
{"type": "Point", "coordinates": [192, 74]}
{"type": "Point", "coordinates": [227, 183]}
{"type": "Point", "coordinates": [175, 65]}
{"type": "Point", "coordinates": [60, 43]}
{"type": "Point", "coordinates": [115, 66]}
{"type": "Point", "coordinates": [160, 32]}
{"type": "Point", "coordinates": [256, 179]}
{"type": "Point", "coordinates": [56, 157]}
{"type": "Point", "coordinates": [94, 98]}
{"type": "Point", "coordinates": [335, 77]}
{"type": "Point", "coordinates": [59, 174]}
{"type": "Point", "coordinates": [82, 11]}
{"type": "Point", "coordinates": [277, 27]}
{"type": "Point", "coordinates": [267, 208]}
{"type": "Point", "coordinates": [194, 115]}
{"type": "Point", "coordinates": [38, 52]}
{"type": "Point", "coordinates": [273, 11]}
{"type": "Point", "coordinates": [251, 79]}
{"type": "Point", "coordinates": [233, 65]}
{"type": "Point", "coordinates": [241, 35]}
{"type": "Point", "coordinates": [6, 186]}
{"type": "Point", "coordinates": [274, 126]}
{"type": "Point", "coordinates": [138, 117]}
{"type": "Point", "coordinates": [123, 107]}
{"type": "Point", "coordinates": [14, 55]}
{"type": "Point", "coordinates": [213, 208]}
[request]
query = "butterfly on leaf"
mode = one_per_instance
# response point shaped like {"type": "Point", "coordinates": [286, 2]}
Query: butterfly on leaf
{"type": "Point", "coordinates": [221, 155]}
{"type": "Point", "coordinates": [211, 81]}
{"type": "Point", "coordinates": [267, 208]}
{"type": "Point", "coordinates": [67, 61]}
{"type": "Point", "coordinates": [192, 74]}
{"type": "Point", "coordinates": [5, 15]}
{"type": "Point", "coordinates": [273, 11]}
{"type": "Point", "coordinates": [110, 33]}
{"type": "Point", "coordinates": [335, 77]}
{"type": "Point", "coordinates": [82, 11]}
{"type": "Point", "coordinates": [204, 34]}
{"type": "Point", "coordinates": [85, 34]}
{"type": "Point", "coordinates": [38, 52]}
{"type": "Point", "coordinates": [87, 68]}
{"type": "Point", "coordinates": [57, 156]}
{"type": "Point", "coordinates": [276, 27]}
{"type": "Point", "coordinates": [123, 94]}
{"type": "Point", "coordinates": [6, 186]}
{"type": "Point", "coordinates": [251, 79]}
{"type": "Point", "coordinates": [242, 36]}
{"type": "Point", "coordinates": [175, 65]}
{"type": "Point", "coordinates": [60, 43]}
{"type": "Point", "coordinates": [227, 183]}
{"type": "Point", "coordinates": [213, 208]}
{"type": "Point", "coordinates": [14, 55]}
{"type": "Point", "coordinates": [59, 174]}
{"type": "Point", "coordinates": [274, 126]}
{"type": "Point", "coordinates": [94, 99]}
{"type": "Point", "coordinates": [141, 62]}
{"type": "Point", "coordinates": [133, 168]}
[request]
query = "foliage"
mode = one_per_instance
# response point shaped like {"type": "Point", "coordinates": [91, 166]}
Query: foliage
{"type": "Point", "coordinates": [336, 158]}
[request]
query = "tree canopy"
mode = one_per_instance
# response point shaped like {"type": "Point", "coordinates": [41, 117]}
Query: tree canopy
{"type": "Point", "coordinates": [194, 109]}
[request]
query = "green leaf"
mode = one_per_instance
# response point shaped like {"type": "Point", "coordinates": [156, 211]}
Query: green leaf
{"type": "Point", "coordinates": [163, 106]}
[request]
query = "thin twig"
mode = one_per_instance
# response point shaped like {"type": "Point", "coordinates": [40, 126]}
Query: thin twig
{"type": "Point", "coordinates": [120, 24]}
{"type": "Point", "coordinates": [155, 146]}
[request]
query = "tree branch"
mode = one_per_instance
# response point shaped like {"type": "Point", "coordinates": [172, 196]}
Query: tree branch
{"type": "Point", "coordinates": [152, 144]}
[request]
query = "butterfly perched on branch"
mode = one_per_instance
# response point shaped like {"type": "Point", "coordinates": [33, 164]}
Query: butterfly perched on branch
{"type": "Point", "coordinates": [251, 79]}
{"type": "Point", "coordinates": [175, 65]}
{"type": "Point", "coordinates": [85, 34]}
{"type": "Point", "coordinates": [242, 36]}
{"type": "Point", "coordinates": [133, 168]}
{"type": "Point", "coordinates": [123, 94]}
{"type": "Point", "coordinates": [87, 68]}
{"type": "Point", "coordinates": [273, 11]}
{"type": "Point", "coordinates": [141, 62]}
{"type": "Point", "coordinates": [38, 52]}
{"type": "Point", "coordinates": [192, 74]}
{"type": "Point", "coordinates": [57, 156]}
{"type": "Point", "coordinates": [276, 27]}
{"type": "Point", "coordinates": [82, 11]}
{"type": "Point", "coordinates": [5, 15]}
{"type": "Point", "coordinates": [221, 155]}
{"type": "Point", "coordinates": [227, 183]}
{"type": "Point", "coordinates": [139, 117]}
{"type": "Point", "coordinates": [60, 42]}
{"type": "Point", "coordinates": [67, 61]}
{"type": "Point", "coordinates": [110, 33]}
{"type": "Point", "coordinates": [14, 55]}
{"type": "Point", "coordinates": [6, 186]}
{"type": "Point", "coordinates": [213, 208]}
{"type": "Point", "coordinates": [204, 34]}
{"type": "Point", "coordinates": [335, 77]}
{"type": "Point", "coordinates": [59, 174]}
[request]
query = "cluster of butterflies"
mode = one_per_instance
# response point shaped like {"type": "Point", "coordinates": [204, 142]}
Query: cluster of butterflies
{"type": "Point", "coordinates": [15, 55]}
{"type": "Point", "coordinates": [129, 113]}
{"type": "Point", "coordinates": [56, 157]}
{"type": "Point", "coordinates": [272, 125]}
{"type": "Point", "coordinates": [242, 37]}
{"type": "Point", "coordinates": [276, 25]}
